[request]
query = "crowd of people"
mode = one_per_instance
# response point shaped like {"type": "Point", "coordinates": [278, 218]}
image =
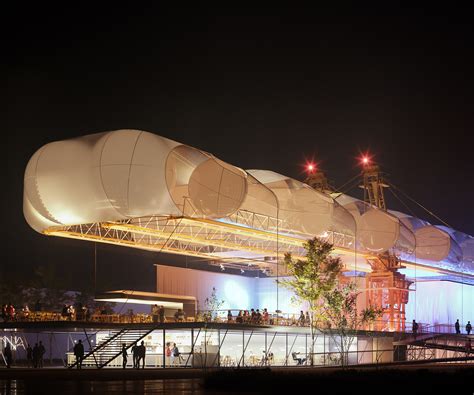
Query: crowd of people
{"type": "Point", "coordinates": [9, 313]}
{"type": "Point", "coordinates": [80, 312]}
{"type": "Point", "coordinates": [254, 316]}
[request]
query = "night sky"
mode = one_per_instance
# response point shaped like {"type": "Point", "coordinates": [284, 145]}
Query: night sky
{"type": "Point", "coordinates": [263, 91]}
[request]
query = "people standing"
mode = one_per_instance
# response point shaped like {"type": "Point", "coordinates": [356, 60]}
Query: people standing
{"type": "Point", "coordinates": [4, 313]}
{"type": "Point", "coordinates": [468, 327]}
{"type": "Point", "coordinates": [29, 356]}
{"type": "Point", "coordinates": [41, 352]}
{"type": "Point", "coordinates": [79, 353]}
{"type": "Point", "coordinates": [35, 355]}
{"type": "Point", "coordinates": [7, 352]}
{"type": "Point", "coordinates": [135, 352]}
{"type": "Point", "coordinates": [25, 312]}
{"type": "Point", "coordinates": [457, 327]}
{"type": "Point", "coordinates": [10, 312]}
{"type": "Point", "coordinates": [301, 319]}
{"type": "Point", "coordinates": [154, 312]}
{"type": "Point", "coordinates": [414, 327]}
{"type": "Point", "coordinates": [124, 356]}
{"type": "Point", "coordinates": [168, 354]}
{"type": "Point", "coordinates": [174, 354]}
{"type": "Point", "coordinates": [161, 314]}
{"type": "Point", "coordinates": [141, 354]}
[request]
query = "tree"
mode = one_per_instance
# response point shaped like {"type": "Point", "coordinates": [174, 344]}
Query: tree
{"type": "Point", "coordinates": [212, 306]}
{"type": "Point", "coordinates": [331, 300]}
{"type": "Point", "coordinates": [312, 279]}
{"type": "Point", "coordinates": [342, 318]}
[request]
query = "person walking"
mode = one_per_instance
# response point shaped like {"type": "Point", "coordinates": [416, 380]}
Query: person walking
{"type": "Point", "coordinates": [29, 356]}
{"type": "Point", "coordinates": [7, 352]}
{"type": "Point", "coordinates": [124, 356]}
{"type": "Point", "coordinates": [457, 327]}
{"type": "Point", "coordinates": [468, 327]}
{"type": "Point", "coordinates": [79, 353]}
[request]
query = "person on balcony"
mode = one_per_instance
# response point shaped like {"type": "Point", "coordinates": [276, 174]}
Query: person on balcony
{"type": "Point", "coordinates": [468, 327]}
{"type": "Point", "coordinates": [230, 318]}
{"type": "Point", "coordinates": [457, 327]}
{"type": "Point", "coordinates": [301, 319]}
{"type": "Point", "coordinates": [179, 316]}
{"type": "Point", "coordinates": [154, 312]}
{"type": "Point", "coordinates": [240, 317]}
{"type": "Point", "coordinates": [161, 314]}
{"type": "Point", "coordinates": [414, 328]}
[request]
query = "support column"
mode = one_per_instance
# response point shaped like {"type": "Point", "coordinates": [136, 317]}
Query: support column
{"type": "Point", "coordinates": [164, 352]}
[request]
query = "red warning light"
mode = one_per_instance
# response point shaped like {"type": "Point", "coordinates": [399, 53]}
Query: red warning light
{"type": "Point", "coordinates": [365, 159]}
{"type": "Point", "coordinates": [310, 167]}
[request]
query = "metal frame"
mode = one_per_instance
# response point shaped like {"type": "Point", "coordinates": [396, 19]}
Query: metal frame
{"type": "Point", "coordinates": [222, 242]}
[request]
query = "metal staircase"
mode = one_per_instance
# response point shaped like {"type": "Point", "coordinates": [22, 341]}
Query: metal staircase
{"type": "Point", "coordinates": [111, 347]}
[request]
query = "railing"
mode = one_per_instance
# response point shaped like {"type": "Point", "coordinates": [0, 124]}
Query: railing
{"type": "Point", "coordinates": [220, 316]}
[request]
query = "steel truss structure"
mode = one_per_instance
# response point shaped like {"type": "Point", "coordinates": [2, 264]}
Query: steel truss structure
{"type": "Point", "coordinates": [243, 240]}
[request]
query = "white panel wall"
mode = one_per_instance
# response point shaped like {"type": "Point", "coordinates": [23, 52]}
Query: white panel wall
{"type": "Point", "coordinates": [434, 302]}
{"type": "Point", "coordinates": [441, 302]}
{"type": "Point", "coordinates": [237, 292]}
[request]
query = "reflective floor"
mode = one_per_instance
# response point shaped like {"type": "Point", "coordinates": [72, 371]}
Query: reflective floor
{"type": "Point", "coordinates": [72, 387]}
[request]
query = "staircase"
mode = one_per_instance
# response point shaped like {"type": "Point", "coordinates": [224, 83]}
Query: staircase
{"type": "Point", "coordinates": [111, 347]}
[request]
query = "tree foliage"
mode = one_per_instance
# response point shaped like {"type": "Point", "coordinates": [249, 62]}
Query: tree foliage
{"type": "Point", "coordinates": [331, 302]}
{"type": "Point", "coordinates": [212, 305]}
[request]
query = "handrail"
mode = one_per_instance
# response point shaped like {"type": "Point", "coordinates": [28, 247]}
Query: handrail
{"type": "Point", "coordinates": [274, 318]}
{"type": "Point", "coordinates": [99, 346]}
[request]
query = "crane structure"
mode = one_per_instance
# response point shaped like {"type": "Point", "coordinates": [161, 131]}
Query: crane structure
{"type": "Point", "coordinates": [387, 289]}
